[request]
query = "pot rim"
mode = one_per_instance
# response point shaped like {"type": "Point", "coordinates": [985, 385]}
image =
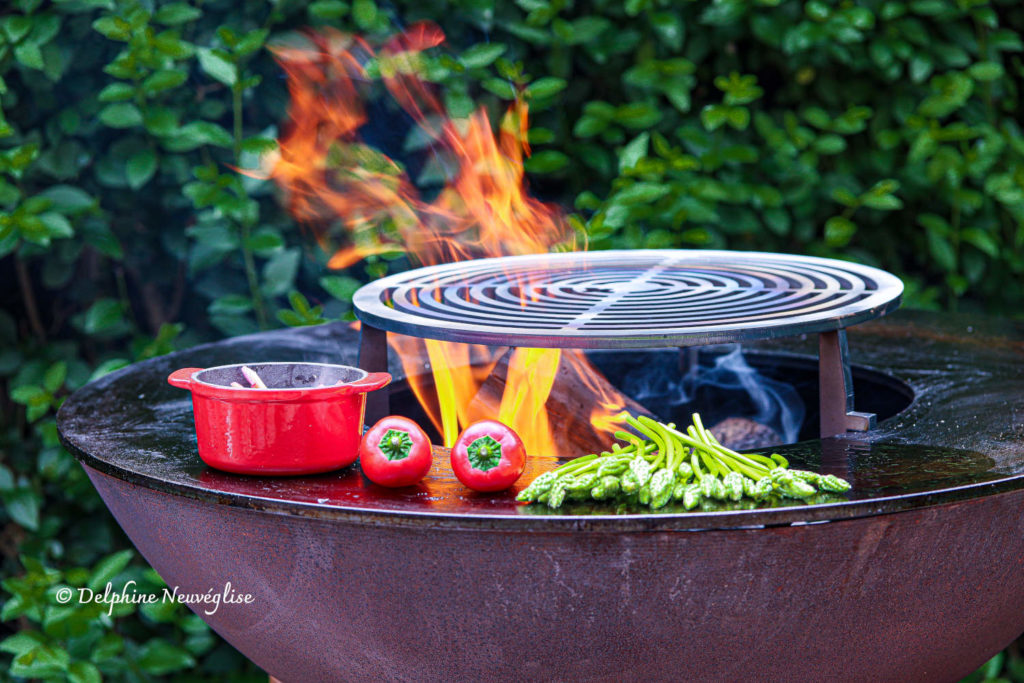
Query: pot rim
{"type": "Point", "coordinates": [195, 376]}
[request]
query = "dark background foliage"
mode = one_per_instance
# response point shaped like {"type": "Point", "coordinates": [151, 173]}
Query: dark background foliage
{"type": "Point", "coordinates": [882, 131]}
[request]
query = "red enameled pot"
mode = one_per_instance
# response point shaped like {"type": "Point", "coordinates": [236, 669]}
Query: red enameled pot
{"type": "Point", "coordinates": [308, 420]}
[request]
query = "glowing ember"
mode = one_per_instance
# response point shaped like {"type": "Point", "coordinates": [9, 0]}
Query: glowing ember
{"type": "Point", "coordinates": [330, 176]}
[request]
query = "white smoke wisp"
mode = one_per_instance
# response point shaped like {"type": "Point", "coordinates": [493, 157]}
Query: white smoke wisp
{"type": "Point", "coordinates": [775, 404]}
{"type": "Point", "coordinates": [778, 404]}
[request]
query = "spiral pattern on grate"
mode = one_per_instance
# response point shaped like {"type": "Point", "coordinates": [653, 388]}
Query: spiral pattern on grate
{"type": "Point", "coordinates": [620, 299]}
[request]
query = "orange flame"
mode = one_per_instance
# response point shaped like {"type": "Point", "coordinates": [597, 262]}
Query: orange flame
{"type": "Point", "coordinates": [330, 176]}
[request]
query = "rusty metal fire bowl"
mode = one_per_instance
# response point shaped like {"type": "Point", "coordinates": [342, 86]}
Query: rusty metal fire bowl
{"type": "Point", "coordinates": [919, 576]}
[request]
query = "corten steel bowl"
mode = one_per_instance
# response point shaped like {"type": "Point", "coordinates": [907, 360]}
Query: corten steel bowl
{"type": "Point", "coordinates": [307, 420]}
{"type": "Point", "coordinates": [918, 576]}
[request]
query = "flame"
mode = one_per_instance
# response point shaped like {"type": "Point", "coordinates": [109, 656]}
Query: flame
{"type": "Point", "coordinates": [332, 178]}
{"type": "Point", "coordinates": [531, 374]}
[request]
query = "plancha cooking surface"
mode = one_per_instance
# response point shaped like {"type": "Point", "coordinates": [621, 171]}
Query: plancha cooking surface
{"type": "Point", "coordinates": [961, 438]}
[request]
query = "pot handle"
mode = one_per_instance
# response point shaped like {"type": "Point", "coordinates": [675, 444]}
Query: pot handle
{"type": "Point", "coordinates": [373, 381]}
{"type": "Point", "coordinates": [182, 378]}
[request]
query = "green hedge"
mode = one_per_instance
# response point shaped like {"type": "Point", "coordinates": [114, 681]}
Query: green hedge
{"type": "Point", "coordinates": [881, 131]}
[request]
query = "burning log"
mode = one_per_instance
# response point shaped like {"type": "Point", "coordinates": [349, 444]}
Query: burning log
{"type": "Point", "coordinates": [580, 408]}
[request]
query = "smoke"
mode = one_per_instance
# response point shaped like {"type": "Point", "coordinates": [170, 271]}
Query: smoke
{"type": "Point", "coordinates": [726, 387]}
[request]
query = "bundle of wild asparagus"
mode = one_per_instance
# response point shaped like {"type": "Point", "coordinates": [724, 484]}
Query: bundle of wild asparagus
{"type": "Point", "coordinates": [672, 465]}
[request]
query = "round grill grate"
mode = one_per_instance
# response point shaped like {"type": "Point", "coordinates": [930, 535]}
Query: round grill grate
{"type": "Point", "coordinates": [627, 299]}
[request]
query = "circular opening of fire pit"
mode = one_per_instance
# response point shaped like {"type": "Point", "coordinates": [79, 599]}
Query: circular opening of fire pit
{"type": "Point", "coordinates": [776, 390]}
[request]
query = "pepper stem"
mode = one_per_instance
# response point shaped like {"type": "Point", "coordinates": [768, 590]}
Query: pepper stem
{"type": "Point", "coordinates": [395, 444]}
{"type": "Point", "coordinates": [484, 453]}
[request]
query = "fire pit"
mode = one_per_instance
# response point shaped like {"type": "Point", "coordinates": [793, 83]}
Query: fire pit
{"type": "Point", "coordinates": [916, 577]}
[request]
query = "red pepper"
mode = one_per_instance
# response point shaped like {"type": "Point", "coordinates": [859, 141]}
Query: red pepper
{"type": "Point", "coordinates": [395, 452]}
{"type": "Point", "coordinates": [488, 456]}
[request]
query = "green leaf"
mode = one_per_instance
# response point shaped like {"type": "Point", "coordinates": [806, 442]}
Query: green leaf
{"type": "Point", "coordinates": [830, 144]}
{"type": "Point", "coordinates": [930, 7]}
{"type": "Point", "coordinates": [114, 28]}
{"type": "Point", "coordinates": [231, 304]}
{"type": "Point", "coordinates": [290, 318]}
{"type": "Point", "coordinates": [140, 168]}
{"type": "Point", "coordinates": [200, 133]}
{"type": "Point", "coordinates": [589, 126]}
{"type": "Point", "coordinates": [950, 91]}
{"type": "Point", "coordinates": [251, 42]}
{"type": "Point", "coordinates": [547, 161]}
{"type": "Point", "coordinates": [586, 29]}
{"type": "Point", "coordinates": [6, 485]}
{"type": "Point", "coordinates": [23, 507]}
{"type": "Point", "coordinates": [327, 10]}
{"type": "Point", "coordinates": [982, 240]}
{"type": "Point", "coordinates": [163, 80]}
{"type": "Point", "coordinates": [481, 55]}
{"type": "Point", "coordinates": [778, 221]}
{"type": "Point", "coordinates": [57, 226]}
{"type": "Point", "coordinates": [116, 92]}
{"type": "Point", "coordinates": [107, 367]}
{"type": "Point", "coordinates": [159, 657]}
{"type": "Point", "coordinates": [54, 377]}
{"type": "Point", "coordinates": [279, 272]}
{"type": "Point", "coordinates": [934, 223]}
{"type": "Point", "coordinates": [545, 87]}
{"type": "Point", "coordinates": [15, 27]}
{"type": "Point", "coordinates": [171, 44]}
{"type": "Point", "coordinates": [45, 661]}
{"type": "Point", "coordinates": [738, 117]}
{"type": "Point", "coordinates": [845, 197]}
{"type": "Point", "coordinates": [162, 612]}
{"type": "Point", "coordinates": [340, 287]}
{"type": "Point", "coordinates": [161, 121]}
{"type": "Point", "coordinates": [176, 13]}
{"type": "Point", "coordinates": [299, 302]}
{"type": "Point", "coordinates": [986, 71]}
{"type": "Point", "coordinates": [28, 394]}
{"type": "Point", "coordinates": [21, 642]}
{"type": "Point", "coordinates": [218, 236]}
{"type": "Point", "coordinates": [217, 64]}
{"type": "Point", "coordinates": [713, 116]}
{"type": "Point", "coordinates": [942, 251]}
{"type": "Point", "coordinates": [634, 151]}
{"type": "Point", "coordinates": [921, 67]}
{"type": "Point", "coordinates": [1006, 40]}
{"type": "Point", "coordinates": [883, 203]}
{"type": "Point", "coordinates": [258, 145]}
{"type": "Point", "coordinates": [108, 568]}
{"type": "Point", "coordinates": [668, 26]}
{"type": "Point", "coordinates": [84, 672]}
{"type": "Point", "coordinates": [839, 231]}
{"type": "Point", "coordinates": [121, 115]}
{"type": "Point", "coordinates": [364, 13]}
{"type": "Point", "coordinates": [105, 315]}
{"type": "Point", "coordinates": [499, 87]}
{"type": "Point", "coordinates": [29, 54]}
{"type": "Point", "coordinates": [266, 241]}
{"type": "Point", "coordinates": [638, 115]}
{"type": "Point", "coordinates": [639, 193]}
{"type": "Point", "coordinates": [109, 646]}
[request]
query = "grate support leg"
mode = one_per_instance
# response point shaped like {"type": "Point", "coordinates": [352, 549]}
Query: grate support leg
{"type": "Point", "coordinates": [689, 361]}
{"type": "Point", "coordinates": [373, 357]}
{"type": "Point", "coordinates": [835, 384]}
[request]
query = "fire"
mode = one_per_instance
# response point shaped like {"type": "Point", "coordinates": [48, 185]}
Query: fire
{"type": "Point", "coordinates": [332, 177]}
